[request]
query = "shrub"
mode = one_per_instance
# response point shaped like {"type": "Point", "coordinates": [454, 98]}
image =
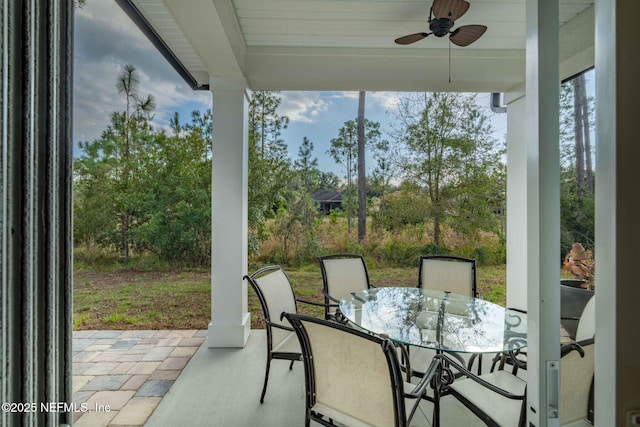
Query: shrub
{"type": "Point", "coordinates": [401, 248]}
{"type": "Point", "coordinates": [400, 209]}
{"type": "Point", "coordinates": [93, 255]}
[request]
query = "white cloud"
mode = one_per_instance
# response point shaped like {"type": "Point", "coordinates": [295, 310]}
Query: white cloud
{"type": "Point", "coordinates": [306, 107]}
{"type": "Point", "coordinates": [344, 95]}
{"type": "Point", "coordinates": [105, 40]}
{"type": "Point", "coordinates": [105, 14]}
{"type": "Point", "coordinates": [388, 100]}
{"type": "Point", "coordinates": [303, 107]}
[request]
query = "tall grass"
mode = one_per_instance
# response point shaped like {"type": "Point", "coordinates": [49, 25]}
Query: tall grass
{"type": "Point", "coordinates": [385, 248]}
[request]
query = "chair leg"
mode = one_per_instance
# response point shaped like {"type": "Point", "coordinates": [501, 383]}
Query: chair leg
{"type": "Point", "coordinates": [266, 379]}
{"type": "Point", "coordinates": [291, 365]}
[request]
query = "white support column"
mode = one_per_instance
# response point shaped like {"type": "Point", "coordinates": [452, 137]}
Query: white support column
{"type": "Point", "coordinates": [543, 212]}
{"type": "Point", "coordinates": [516, 200]}
{"type": "Point", "coordinates": [617, 384]}
{"type": "Point", "coordinates": [230, 320]}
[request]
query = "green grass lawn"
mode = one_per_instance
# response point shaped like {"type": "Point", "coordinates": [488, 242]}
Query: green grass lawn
{"type": "Point", "coordinates": [130, 299]}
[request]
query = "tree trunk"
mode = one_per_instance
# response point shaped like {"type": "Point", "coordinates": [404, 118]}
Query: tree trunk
{"type": "Point", "coordinates": [362, 178]}
{"type": "Point", "coordinates": [349, 194]}
{"type": "Point", "coordinates": [125, 237]}
{"type": "Point", "coordinates": [126, 177]}
{"type": "Point", "coordinates": [578, 87]}
{"type": "Point", "coordinates": [586, 129]}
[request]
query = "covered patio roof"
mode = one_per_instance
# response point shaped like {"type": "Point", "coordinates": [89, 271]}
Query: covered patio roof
{"type": "Point", "coordinates": [349, 44]}
{"type": "Point", "coordinates": [232, 47]}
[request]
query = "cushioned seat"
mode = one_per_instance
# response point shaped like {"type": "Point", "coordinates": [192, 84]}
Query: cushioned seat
{"type": "Point", "coordinates": [499, 398]}
{"type": "Point", "coordinates": [449, 274]}
{"type": "Point", "coordinates": [341, 275]}
{"type": "Point", "coordinates": [500, 409]}
{"type": "Point", "coordinates": [353, 378]}
{"type": "Point", "coordinates": [289, 344]}
{"type": "Point", "coordinates": [276, 296]}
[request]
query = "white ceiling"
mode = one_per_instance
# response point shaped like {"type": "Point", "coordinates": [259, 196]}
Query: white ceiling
{"type": "Point", "coordinates": [348, 44]}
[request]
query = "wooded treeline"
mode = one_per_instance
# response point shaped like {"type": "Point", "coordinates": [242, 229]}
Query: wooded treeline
{"type": "Point", "coordinates": [438, 172]}
{"type": "Point", "coordinates": [577, 197]}
{"type": "Point", "coordinates": [139, 189]}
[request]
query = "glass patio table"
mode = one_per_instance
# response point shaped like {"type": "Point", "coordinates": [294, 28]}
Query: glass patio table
{"type": "Point", "coordinates": [443, 321]}
{"type": "Point", "coordinates": [438, 320]}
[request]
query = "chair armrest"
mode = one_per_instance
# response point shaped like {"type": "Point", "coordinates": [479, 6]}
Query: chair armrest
{"type": "Point", "coordinates": [460, 359]}
{"type": "Point", "coordinates": [337, 301]}
{"type": "Point", "coordinates": [511, 358]}
{"type": "Point", "coordinates": [584, 342]}
{"type": "Point", "coordinates": [470, 375]}
{"type": "Point", "coordinates": [279, 326]}
{"type": "Point", "coordinates": [574, 346]}
{"type": "Point", "coordinates": [319, 304]}
{"type": "Point", "coordinates": [421, 387]}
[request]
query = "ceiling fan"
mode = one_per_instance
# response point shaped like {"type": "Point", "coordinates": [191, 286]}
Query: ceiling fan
{"type": "Point", "coordinates": [442, 17]}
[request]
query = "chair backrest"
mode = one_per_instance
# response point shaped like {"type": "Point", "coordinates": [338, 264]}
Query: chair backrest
{"type": "Point", "coordinates": [448, 273]}
{"type": "Point", "coordinates": [341, 275]}
{"type": "Point", "coordinates": [350, 375]}
{"type": "Point", "coordinates": [576, 377]}
{"type": "Point", "coordinates": [276, 296]}
{"type": "Point", "coordinates": [587, 324]}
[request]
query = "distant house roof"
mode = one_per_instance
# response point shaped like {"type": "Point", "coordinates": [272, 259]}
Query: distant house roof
{"type": "Point", "coordinates": [327, 196]}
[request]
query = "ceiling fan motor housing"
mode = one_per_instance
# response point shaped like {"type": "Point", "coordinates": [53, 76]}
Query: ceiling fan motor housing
{"type": "Point", "coordinates": [442, 15]}
{"type": "Point", "coordinates": [440, 27]}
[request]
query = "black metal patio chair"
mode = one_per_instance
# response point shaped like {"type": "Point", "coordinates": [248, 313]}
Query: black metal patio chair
{"type": "Point", "coordinates": [353, 378]}
{"type": "Point", "coordinates": [341, 275]}
{"type": "Point", "coordinates": [276, 296]}
{"type": "Point", "coordinates": [449, 274]}
{"type": "Point", "coordinates": [499, 398]}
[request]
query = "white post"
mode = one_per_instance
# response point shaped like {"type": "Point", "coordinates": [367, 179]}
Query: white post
{"type": "Point", "coordinates": [230, 321]}
{"type": "Point", "coordinates": [516, 201]}
{"type": "Point", "coordinates": [617, 385]}
{"type": "Point", "coordinates": [543, 212]}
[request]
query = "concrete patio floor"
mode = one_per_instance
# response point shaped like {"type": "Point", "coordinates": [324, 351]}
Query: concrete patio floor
{"type": "Point", "coordinates": [169, 378]}
{"type": "Point", "coordinates": [221, 387]}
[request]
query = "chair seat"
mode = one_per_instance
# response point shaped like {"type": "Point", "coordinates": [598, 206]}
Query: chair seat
{"type": "Point", "coordinates": [421, 357]}
{"type": "Point", "coordinates": [500, 408]}
{"type": "Point", "coordinates": [288, 345]}
{"type": "Point", "coordinates": [273, 289]}
{"type": "Point", "coordinates": [346, 419]}
{"type": "Point", "coordinates": [579, 423]}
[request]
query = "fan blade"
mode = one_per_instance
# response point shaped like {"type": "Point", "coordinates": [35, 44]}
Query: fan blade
{"type": "Point", "coordinates": [411, 38]}
{"type": "Point", "coordinates": [467, 34]}
{"type": "Point", "coordinates": [450, 9]}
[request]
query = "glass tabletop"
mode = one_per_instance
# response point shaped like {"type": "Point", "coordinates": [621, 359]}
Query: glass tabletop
{"type": "Point", "coordinates": [436, 319]}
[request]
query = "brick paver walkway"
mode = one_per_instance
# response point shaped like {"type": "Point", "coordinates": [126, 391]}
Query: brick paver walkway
{"type": "Point", "coordinates": [119, 377]}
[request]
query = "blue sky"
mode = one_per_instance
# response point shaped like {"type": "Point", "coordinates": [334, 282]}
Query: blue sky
{"type": "Point", "coordinates": [106, 40]}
